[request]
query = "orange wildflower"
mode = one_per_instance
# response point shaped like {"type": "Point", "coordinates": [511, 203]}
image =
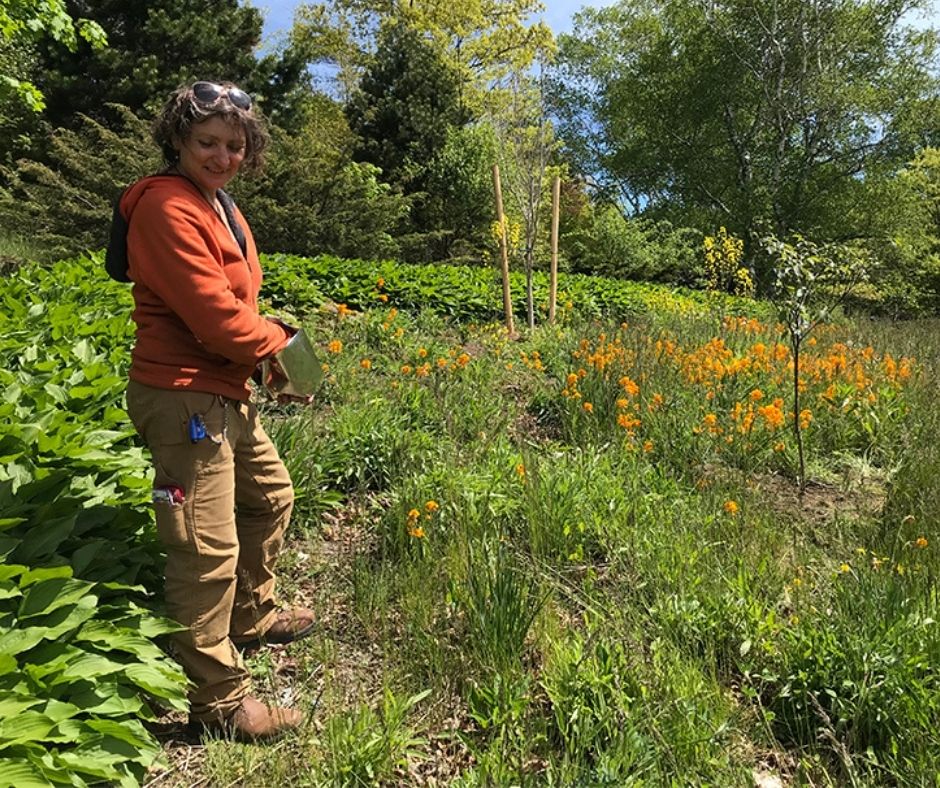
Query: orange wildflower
{"type": "Point", "coordinates": [627, 422]}
{"type": "Point", "coordinates": [629, 386]}
{"type": "Point", "coordinates": [772, 414]}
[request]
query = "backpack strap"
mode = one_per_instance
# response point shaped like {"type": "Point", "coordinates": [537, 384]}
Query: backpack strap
{"type": "Point", "coordinates": [115, 257]}
{"type": "Point", "coordinates": [228, 205]}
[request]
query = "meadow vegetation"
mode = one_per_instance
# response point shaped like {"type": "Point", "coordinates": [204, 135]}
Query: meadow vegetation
{"type": "Point", "coordinates": [579, 556]}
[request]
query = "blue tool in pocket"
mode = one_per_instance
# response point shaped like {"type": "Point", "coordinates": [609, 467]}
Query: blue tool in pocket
{"type": "Point", "coordinates": [197, 428]}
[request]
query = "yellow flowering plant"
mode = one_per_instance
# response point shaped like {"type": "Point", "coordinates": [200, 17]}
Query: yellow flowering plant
{"type": "Point", "coordinates": [724, 254]}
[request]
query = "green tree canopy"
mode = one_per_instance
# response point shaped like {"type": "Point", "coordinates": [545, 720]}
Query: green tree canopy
{"type": "Point", "coordinates": [160, 44]}
{"type": "Point", "coordinates": [406, 105]}
{"type": "Point", "coordinates": [407, 101]}
{"type": "Point", "coordinates": [66, 202]}
{"type": "Point", "coordinates": [483, 41]}
{"type": "Point", "coordinates": [737, 113]}
{"type": "Point", "coordinates": [312, 198]}
{"type": "Point", "coordinates": [21, 24]}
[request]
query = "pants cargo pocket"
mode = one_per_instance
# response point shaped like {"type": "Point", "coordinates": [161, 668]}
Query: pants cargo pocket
{"type": "Point", "coordinates": [171, 522]}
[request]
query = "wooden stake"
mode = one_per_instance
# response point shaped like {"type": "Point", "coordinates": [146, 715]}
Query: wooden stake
{"type": "Point", "coordinates": [553, 276]}
{"type": "Point", "coordinates": [504, 251]}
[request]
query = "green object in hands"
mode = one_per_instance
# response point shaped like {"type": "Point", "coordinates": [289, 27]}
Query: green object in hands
{"type": "Point", "coordinates": [302, 370]}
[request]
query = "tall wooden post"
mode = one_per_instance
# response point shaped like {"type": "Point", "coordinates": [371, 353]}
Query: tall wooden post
{"type": "Point", "coordinates": [553, 275]}
{"type": "Point", "coordinates": [504, 251]}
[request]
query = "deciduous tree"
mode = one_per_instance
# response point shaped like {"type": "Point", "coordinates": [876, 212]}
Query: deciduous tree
{"type": "Point", "coordinates": [726, 112]}
{"type": "Point", "coordinates": [21, 24]}
{"type": "Point", "coordinates": [484, 41]}
{"type": "Point", "coordinates": [527, 143]}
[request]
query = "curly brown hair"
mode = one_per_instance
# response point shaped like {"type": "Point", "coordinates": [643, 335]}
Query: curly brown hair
{"type": "Point", "coordinates": [183, 110]}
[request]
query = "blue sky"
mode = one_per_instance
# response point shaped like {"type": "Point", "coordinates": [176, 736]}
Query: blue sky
{"type": "Point", "coordinates": [278, 14]}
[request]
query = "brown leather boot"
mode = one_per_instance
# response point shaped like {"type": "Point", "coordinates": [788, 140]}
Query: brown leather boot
{"type": "Point", "coordinates": [290, 625]}
{"type": "Point", "coordinates": [253, 721]}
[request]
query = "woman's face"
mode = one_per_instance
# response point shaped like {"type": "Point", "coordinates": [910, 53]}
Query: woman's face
{"type": "Point", "coordinates": [212, 153]}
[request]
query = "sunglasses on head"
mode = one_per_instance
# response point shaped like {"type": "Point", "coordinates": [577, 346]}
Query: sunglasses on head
{"type": "Point", "coordinates": [210, 92]}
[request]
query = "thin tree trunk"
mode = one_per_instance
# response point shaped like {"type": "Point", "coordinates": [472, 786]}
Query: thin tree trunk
{"type": "Point", "coordinates": [801, 479]}
{"type": "Point", "coordinates": [529, 299]}
{"type": "Point", "coordinates": [504, 251]}
{"type": "Point", "coordinates": [553, 275]}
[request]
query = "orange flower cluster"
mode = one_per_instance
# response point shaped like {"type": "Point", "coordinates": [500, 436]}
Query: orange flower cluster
{"type": "Point", "coordinates": [605, 354]}
{"type": "Point", "coordinates": [745, 325]}
{"type": "Point", "coordinates": [570, 391]}
{"type": "Point", "coordinates": [533, 360]}
{"type": "Point", "coordinates": [379, 284]}
{"type": "Point", "coordinates": [389, 319]}
{"type": "Point", "coordinates": [414, 517]}
{"type": "Point", "coordinates": [414, 529]}
{"type": "Point", "coordinates": [743, 379]}
{"type": "Point", "coordinates": [629, 423]}
{"type": "Point", "coordinates": [441, 364]}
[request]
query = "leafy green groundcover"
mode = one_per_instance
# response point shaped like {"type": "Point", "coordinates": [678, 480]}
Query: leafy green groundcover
{"type": "Point", "coordinates": [78, 666]}
{"type": "Point", "coordinates": [302, 283]}
{"type": "Point", "coordinates": [75, 673]}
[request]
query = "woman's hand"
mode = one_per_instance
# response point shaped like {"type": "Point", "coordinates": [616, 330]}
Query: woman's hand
{"type": "Point", "coordinates": [277, 379]}
{"type": "Point", "coordinates": [285, 399]}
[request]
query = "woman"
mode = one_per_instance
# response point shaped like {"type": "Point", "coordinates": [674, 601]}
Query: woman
{"type": "Point", "coordinates": [221, 494]}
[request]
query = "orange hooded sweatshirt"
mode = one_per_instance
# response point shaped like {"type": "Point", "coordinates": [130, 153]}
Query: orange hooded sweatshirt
{"type": "Point", "coordinates": [195, 294]}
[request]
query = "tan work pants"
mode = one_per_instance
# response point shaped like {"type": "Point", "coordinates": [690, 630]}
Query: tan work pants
{"type": "Point", "coordinates": [222, 540]}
